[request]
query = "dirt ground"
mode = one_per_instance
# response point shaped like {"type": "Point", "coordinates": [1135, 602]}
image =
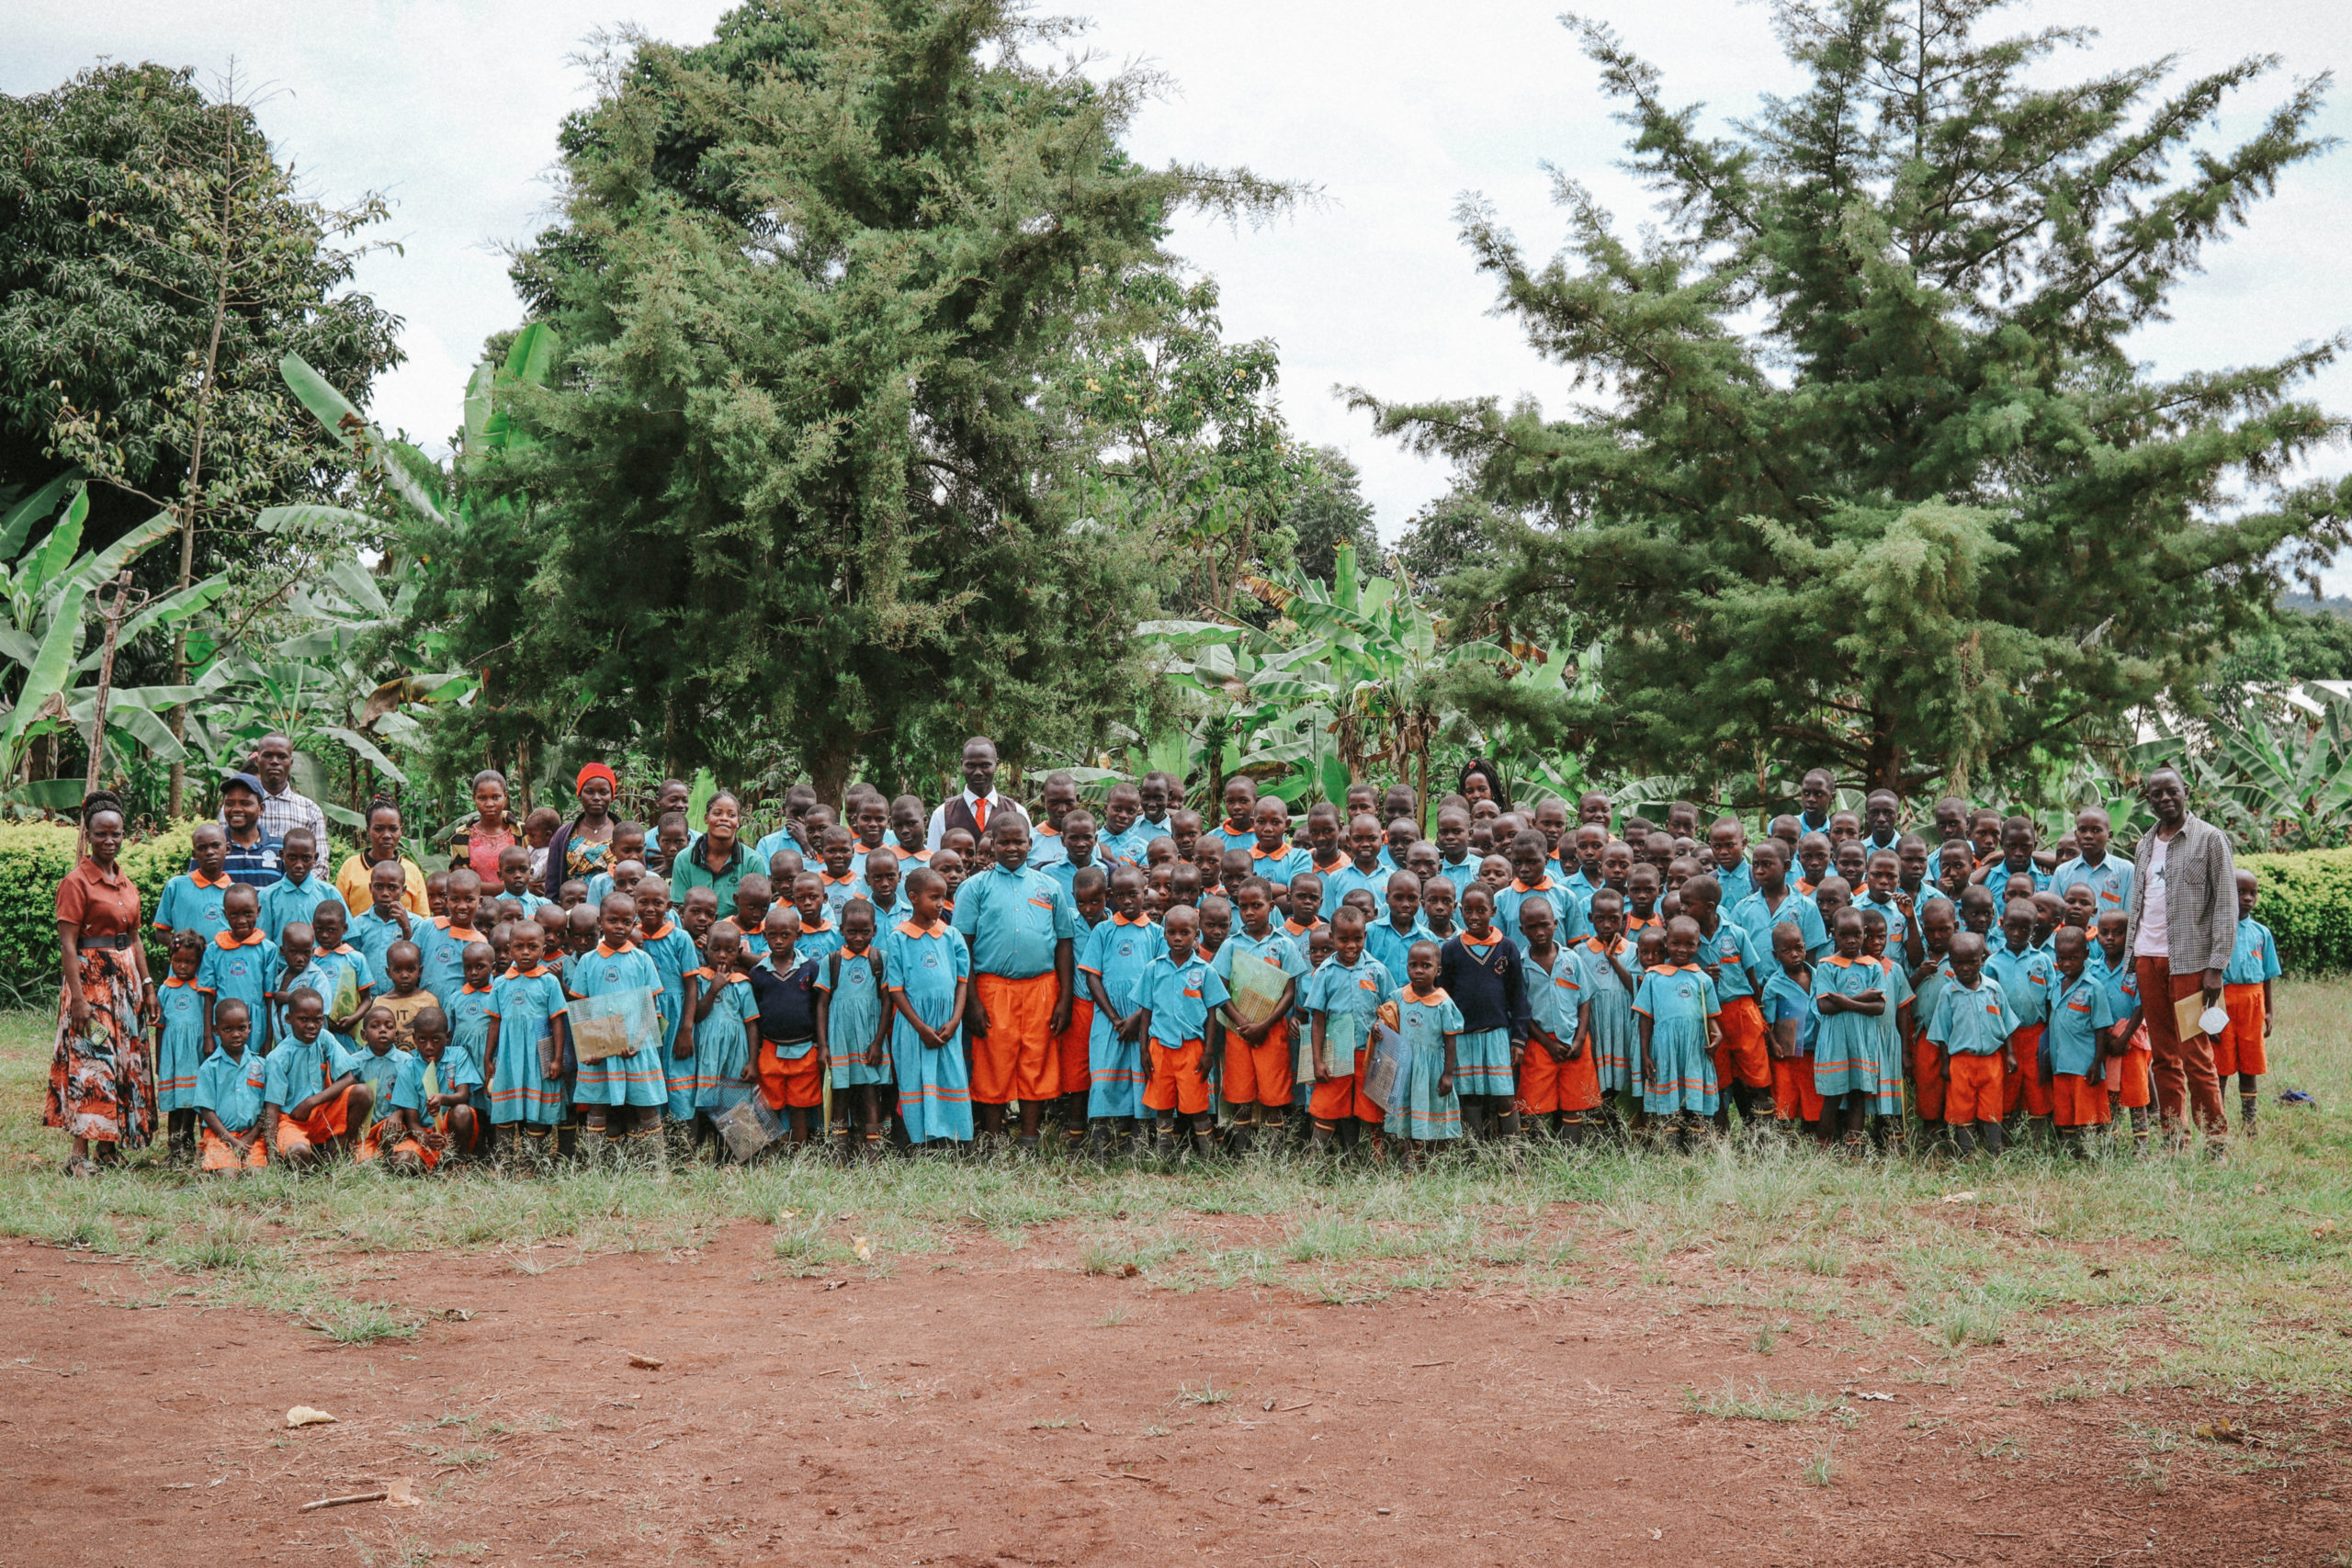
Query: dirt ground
{"type": "Point", "coordinates": [1005, 1406]}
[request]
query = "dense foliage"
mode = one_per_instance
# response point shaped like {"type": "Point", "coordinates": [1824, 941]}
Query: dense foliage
{"type": "Point", "coordinates": [1869, 476]}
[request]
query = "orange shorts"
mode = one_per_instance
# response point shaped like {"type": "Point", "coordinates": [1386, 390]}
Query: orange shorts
{"type": "Point", "coordinates": [1261, 1074]}
{"type": "Point", "coordinates": [2024, 1086]}
{"type": "Point", "coordinates": [794, 1082]}
{"type": "Point", "coordinates": [2078, 1101]}
{"type": "Point", "coordinates": [2128, 1076]}
{"type": "Point", "coordinates": [1973, 1092]}
{"type": "Point", "coordinates": [1794, 1096]}
{"type": "Point", "coordinates": [1070, 1046]}
{"type": "Point", "coordinates": [1744, 1051]}
{"type": "Point", "coordinates": [1016, 1059]}
{"type": "Point", "coordinates": [1927, 1078]}
{"type": "Point", "coordinates": [1176, 1081]}
{"type": "Point", "coordinates": [373, 1145]}
{"type": "Point", "coordinates": [328, 1123]}
{"type": "Point", "coordinates": [2240, 1048]}
{"type": "Point", "coordinates": [219, 1156]}
{"type": "Point", "coordinates": [1334, 1102]}
{"type": "Point", "coordinates": [1545, 1086]}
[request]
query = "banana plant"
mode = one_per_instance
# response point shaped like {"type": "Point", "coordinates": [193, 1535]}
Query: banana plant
{"type": "Point", "coordinates": [46, 592]}
{"type": "Point", "coordinates": [2281, 776]}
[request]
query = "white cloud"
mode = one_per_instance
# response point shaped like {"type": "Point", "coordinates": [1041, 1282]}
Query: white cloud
{"type": "Point", "coordinates": [452, 109]}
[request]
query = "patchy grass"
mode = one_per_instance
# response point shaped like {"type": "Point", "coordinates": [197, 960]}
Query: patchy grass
{"type": "Point", "coordinates": [2231, 1276]}
{"type": "Point", "coordinates": [1761, 1402]}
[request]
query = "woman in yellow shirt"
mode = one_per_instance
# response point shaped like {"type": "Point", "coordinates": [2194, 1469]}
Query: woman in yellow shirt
{"type": "Point", "coordinates": [383, 843]}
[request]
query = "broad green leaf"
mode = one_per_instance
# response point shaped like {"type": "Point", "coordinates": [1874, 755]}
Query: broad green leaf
{"type": "Point", "coordinates": [275, 519]}
{"type": "Point", "coordinates": [49, 563]}
{"type": "Point", "coordinates": [478, 408]}
{"type": "Point", "coordinates": [328, 406]}
{"type": "Point", "coordinates": [367, 750]}
{"type": "Point", "coordinates": [705, 789]}
{"type": "Point", "coordinates": [358, 586]}
{"type": "Point", "coordinates": [44, 677]}
{"type": "Point", "coordinates": [102, 567]}
{"type": "Point", "coordinates": [168, 611]}
{"type": "Point", "coordinates": [16, 524]}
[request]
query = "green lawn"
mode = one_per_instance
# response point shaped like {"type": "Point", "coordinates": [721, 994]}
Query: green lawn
{"type": "Point", "coordinates": [2180, 1271]}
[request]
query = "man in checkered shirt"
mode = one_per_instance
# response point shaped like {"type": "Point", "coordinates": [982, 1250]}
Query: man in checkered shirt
{"type": "Point", "coordinates": [283, 807]}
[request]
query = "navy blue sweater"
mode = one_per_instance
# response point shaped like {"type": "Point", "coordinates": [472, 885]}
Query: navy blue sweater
{"type": "Point", "coordinates": [1490, 991]}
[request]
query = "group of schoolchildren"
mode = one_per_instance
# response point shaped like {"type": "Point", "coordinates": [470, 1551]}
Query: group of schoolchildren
{"type": "Point", "coordinates": [1157, 983]}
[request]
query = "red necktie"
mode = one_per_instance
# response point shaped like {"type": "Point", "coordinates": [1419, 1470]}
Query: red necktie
{"type": "Point", "coordinates": [980, 814]}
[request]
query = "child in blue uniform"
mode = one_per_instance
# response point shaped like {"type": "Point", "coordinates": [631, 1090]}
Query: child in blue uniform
{"type": "Point", "coordinates": [851, 1019]}
{"type": "Point", "coordinates": [1886, 1098]}
{"type": "Point", "coordinates": [1607, 979]}
{"type": "Point", "coordinates": [299, 893]}
{"type": "Point", "coordinates": [529, 1090]}
{"type": "Point", "coordinates": [928, 976]}
{"type": "Point", "coordinates": [1849, 996]}
{"type": "Point", "coordinates": [1427, 1111]}
{"type": "Point", "coordinates": [468, 1015]}
{"type": "Point", "coordinates": [240, 964]}
{"type": "Point", "coordinates": [679, 964]}
{"type": "Point", "coordinates": [1971, 1028]}
{"type": "Point", "coordinates": [1675, 1011]}
{"type": "Point", "coordinates": [2075, 1045]}
{"type": "Point", "coordinates": [1786, 1004]}
{"type": "Point", "coordinates": [191, 901]}
{"type": "Point", "coordinates": [1117, 953]}
{"type": "Point", "coordinates": [1481, 970]}
{"type": "Point", "coordinates": [2243, 1046]}
{"type": "Point", "coordinates": [179, 1043]}
{"type": "Point", "coordinates": [228, 1101]}
{"type": "Point", "coordinates": [1342, 996]}
{"type": "Point", "coordinates": [1176, 994]}
{"type": "Point", "coordinates": [636, 1086]}
{"type": "Point", "coordinates": [725, 1041]}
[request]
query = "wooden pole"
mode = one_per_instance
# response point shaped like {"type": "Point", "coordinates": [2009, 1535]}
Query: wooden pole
{"type": "Point", "coordinates": [99, 710]}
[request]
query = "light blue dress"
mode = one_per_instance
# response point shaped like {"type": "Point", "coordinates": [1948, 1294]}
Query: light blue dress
{"type": "Point", "coordinates": [722, 1045]}
{"type": "Point", "coordinates": [180, 1050]}
{"type": "Point", "coordinates": [528, 1005]}
{"type": "Point", "coordinates": [1616, 1043]}
{"type": "Point", "coordinates": [1846, 1050]}
{"type": "Point", "coordinates": [1119, 950]}
{"type": "Point", "coordinates": [639, 1077]}
{"type": "Point", "coordinates": [934, 1085]}
{"type": "Point", "coordinates": [1420, 1112]}
{"type": "Point", "coordinates": [853, 1012]}
{"type": "Point", "coordinates": [1678, 1002]}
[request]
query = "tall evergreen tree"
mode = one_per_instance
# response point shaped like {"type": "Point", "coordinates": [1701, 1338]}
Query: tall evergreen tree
{"type": "Point", "coordinates": [800, 476]}
{"type": "Point", "coordinates": [1871, 479]}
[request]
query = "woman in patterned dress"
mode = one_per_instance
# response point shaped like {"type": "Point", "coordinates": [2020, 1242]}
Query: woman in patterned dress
{"type": "Point", "coordinates": [99, 1090]}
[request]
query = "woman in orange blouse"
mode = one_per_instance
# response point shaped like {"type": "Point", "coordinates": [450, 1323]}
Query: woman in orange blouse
{"type": "Point", "coordinates": [99, 1090]}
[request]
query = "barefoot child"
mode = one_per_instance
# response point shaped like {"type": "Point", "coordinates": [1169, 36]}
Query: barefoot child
{"type": "Point", "coordinates": [1117, 953]}
{"type": "Point", "coordinates": [2241, 1048]}
{"type": "Point", "coordinates": [179, 1043]}
{"type": "Point", "coordinates": [928, 974]}
{"type": "Point", "coordinates": [852, 1026]}
{"type": "Point", "coordinates": [1426, 1110]}
{"type": "Point", "coordinates": [1480, 969]}
{"type": "Point", "coordinates": [1344, 992]}
{"type": "Point", "coordinates": [1973, 1028]}
{"type": "Point", "coordinates": [227, 1102]}
{"type": "Point", "coordinates": [725, 1042]}
{"type": "Point", "coordinates": [308, 1110]}
{"type": "Point", "coordinates": [524, 1058]}
{"type": "Point", "coordinates": [1178, 992]}
{"type": "Point", "coordinates": [1675, 1013]}
{"type": "Point", "coordinates": [1259, 1060]}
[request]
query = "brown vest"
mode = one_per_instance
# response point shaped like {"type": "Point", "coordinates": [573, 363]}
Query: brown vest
{"type": "Point", "coordinates": [959, 815]}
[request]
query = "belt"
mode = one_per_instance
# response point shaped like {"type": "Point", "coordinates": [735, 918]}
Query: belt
{"type": "Point", "coordinates": [117, 942]}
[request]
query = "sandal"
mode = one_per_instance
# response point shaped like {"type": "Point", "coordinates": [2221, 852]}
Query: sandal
{"type": "Point", "coordinates": [80, 1166]}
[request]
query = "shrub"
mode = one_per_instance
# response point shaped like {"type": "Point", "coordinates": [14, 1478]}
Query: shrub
{"type": "Point", "coordinates": [2307, 904]}
{"type": "Point", "coordinates": [34, 858]}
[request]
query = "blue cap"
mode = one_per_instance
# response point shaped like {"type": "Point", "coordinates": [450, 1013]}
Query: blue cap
{"type": "Point", "coordinates": [249, 781]}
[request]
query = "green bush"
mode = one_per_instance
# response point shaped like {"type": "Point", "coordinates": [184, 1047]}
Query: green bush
{"type": "Point", "coordinates": [34, 858]}
{"type": "Point", "coordinates": [2307, 904]}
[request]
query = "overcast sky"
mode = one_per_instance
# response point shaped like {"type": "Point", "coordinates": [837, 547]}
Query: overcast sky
{"type": "Point", "coordinates": [450, 108]}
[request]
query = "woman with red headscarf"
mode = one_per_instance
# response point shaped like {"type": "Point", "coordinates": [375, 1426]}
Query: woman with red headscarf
{"type": "Point", "coordinates": [582, 846]}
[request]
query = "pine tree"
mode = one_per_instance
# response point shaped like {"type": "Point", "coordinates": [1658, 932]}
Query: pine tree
{"type": "Point", "coordinates": [800, 477]}
{"type": "Point", "coordinates": [1868, 477]}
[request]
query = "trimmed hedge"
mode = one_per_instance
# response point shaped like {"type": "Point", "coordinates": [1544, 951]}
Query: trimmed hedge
{"type": "Point", "coordinates": [2307, 904]}
{"type": "Point", "coordinates": [34, 858]}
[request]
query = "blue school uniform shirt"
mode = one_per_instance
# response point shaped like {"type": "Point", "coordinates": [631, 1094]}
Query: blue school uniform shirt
{"type": "Point", "coordinates": [380, 1074]}
{"type": "Point", "coordinates": [286, 901]}
{"type": "Point", "coordinates": [443, 946]}
{"type": "Point", "coordinates": [246, 970]}
{"type": "Point", "coordinates": [1730, 960]}
{"type": "Point", "coordinates": [1897, 926]}
{"type": "Point", "coordinates": [294, 1072]}
{"type": "Point", "coordinates": [191, 903]}
{"type": "Point", "coordinates": [1127, 847]}
{"type": "Point", "coordinates": [1338, 885]}
{"type": "Point", "coordinates": [1065, 871]}
{"type": "Point", "coordinates": [2121, 983]}
{"type": "Point", "coordinates": [2079, 1013]}
{"type": "Point", "coordinates": [1227, 839]}
{"type": "Point", "coordinates": [1463, 872]}
{"type": "Point", "coordinates": [818, 941]}
{"type": "Point", "coordinates": [1998, 876]}
{"type": "Point", "coordinates": [1738, 883]}
{"type": "Point", "coordinates": [1676, 997]}
{"type": "Point", "coordinates": [1045, 849]}
{"type": "Point", "coordinates": [375, 937]}
{"type": "Point", "coordinates": [414, 1080]}
{"type": "Point", "coordinates": [1391, 946]}
{"type": "Point", "coordinates": [1555, 995]}
{"type": "Point", "coordinates": [1013, 920]}
{"type": "Point", "coordinates": [2109, 881]}
{"type": "Point", "coordinates": [469, 1012]}
{"type": "Point", "coordinates": [1570, 923]}
{"type": "Point", "coordinates": [839, 890]}
{"type": "Point", "coordinates": [1287, 861]}
{"type": "Point", "coordinates": [225, 1087]}
{"type": "Point", "coordinates": [674, 958]}
{"type": "Point", "coordinates": [1120, 950]}
{"type": "Point", "coordinates": [2025, 980]}
{"type": "Point", "coordinates": [1274, 947]}
{"type": "Point", "coordinates": [528, 1005]}
{"type": "Point", "coordinates": [1356, 990]}
{"type": "Point", "coordinates": [1784, 997]}
{"type": "Point", "coordinates": [1181, 996]}
{"type": "Point", "coordinates": [324, 974]}
{"type": "Point", "coordinates": [2256, 957]}
{"type": "Point", "coordinates": [1753, 917]}
{"type": "Point", "coordinates": [1974, 1022]}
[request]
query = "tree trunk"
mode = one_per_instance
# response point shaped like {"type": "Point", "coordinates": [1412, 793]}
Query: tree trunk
{"type": "Point", "coordinates": [828, 772]}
